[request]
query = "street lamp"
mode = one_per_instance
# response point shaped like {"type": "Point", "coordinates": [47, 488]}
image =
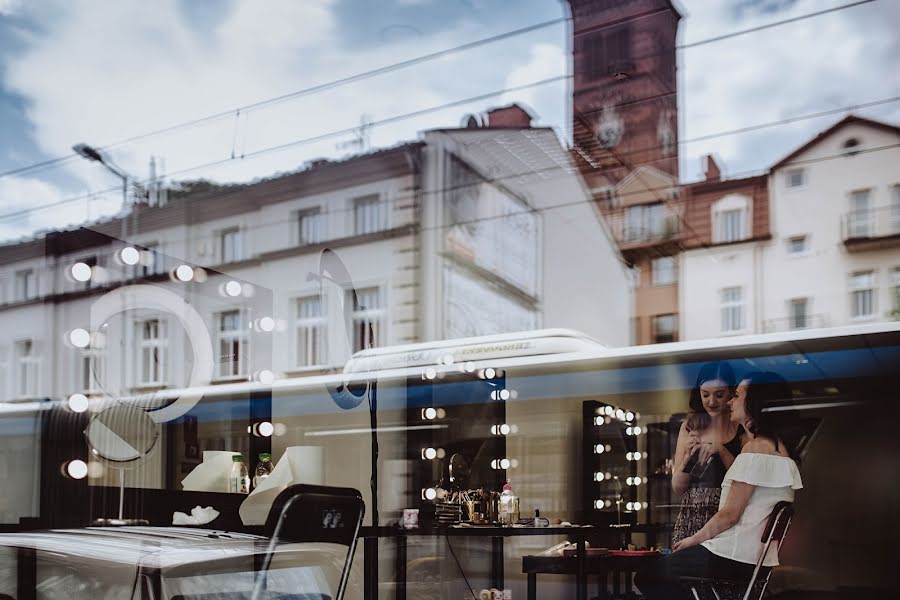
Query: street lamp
{"type": "Point", "coordinates": [93, 154]}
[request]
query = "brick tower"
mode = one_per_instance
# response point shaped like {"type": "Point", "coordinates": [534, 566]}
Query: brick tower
{"type": "Point", "coordinates": [624, 101]}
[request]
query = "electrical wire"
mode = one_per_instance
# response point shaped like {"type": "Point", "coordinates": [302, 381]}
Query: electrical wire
{"type": "Point", "coordinates": [459, 566]}
{"type": "Point", "coordinates": [758, 126]}
{"type": "Point", "coordinates": [398, 66]}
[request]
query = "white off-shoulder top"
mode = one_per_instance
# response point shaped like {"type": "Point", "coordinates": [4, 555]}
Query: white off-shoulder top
{"type": "Point", "coordinates": [775, 478]}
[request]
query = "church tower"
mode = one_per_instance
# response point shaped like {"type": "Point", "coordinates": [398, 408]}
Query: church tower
{"type": "Point", "coordinates": [624, 100]}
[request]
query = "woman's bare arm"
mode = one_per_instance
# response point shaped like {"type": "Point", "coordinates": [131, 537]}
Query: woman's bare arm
{"type": "Point", "coordinates": [684, 447]}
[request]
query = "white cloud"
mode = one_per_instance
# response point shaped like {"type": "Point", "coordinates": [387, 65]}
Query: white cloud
{"type": "Point", "coordinates": [97, 72]}
{"type": "Point", "coordinates": [9, 7]}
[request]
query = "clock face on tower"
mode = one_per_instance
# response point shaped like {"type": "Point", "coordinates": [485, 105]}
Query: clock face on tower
{"type": "Point", "coordinates": [610, 127]}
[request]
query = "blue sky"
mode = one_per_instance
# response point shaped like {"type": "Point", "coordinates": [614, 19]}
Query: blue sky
{"type": "Point", "coordinates": [98, 72]}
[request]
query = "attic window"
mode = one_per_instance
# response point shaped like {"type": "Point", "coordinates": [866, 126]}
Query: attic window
{"type": "Point", "coordinates": [851, 146]}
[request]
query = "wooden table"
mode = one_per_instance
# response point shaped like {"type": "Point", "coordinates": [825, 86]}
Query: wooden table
{"type": "Point", "coordinates": [582, 567]}
{"type": "Point", "coordinates": [371, 535]}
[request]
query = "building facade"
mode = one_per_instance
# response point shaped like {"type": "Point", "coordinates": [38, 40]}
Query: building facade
{"type": "Point", "coordinates": [465, 233]}
{"type": "Point", "coordinates": [820, 243]}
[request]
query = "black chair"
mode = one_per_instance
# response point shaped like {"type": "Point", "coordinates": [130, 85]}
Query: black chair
{"type": "Point", "coordinates": [774, 532]}
{"type": "Point", "coordinates": [313, 513]}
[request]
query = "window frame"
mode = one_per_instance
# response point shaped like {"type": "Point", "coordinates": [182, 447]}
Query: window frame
{"type": "Point", "coordinates": [26, 381]}
{"type": "Point", "coordinates": [236, 247]}
{"type": "Point", "coordinates": [870, 286]}
{"type": "Point", "coordinates": [732, 203]}
{"type": "Point", "coordinates": [375, 317]}
{"type": "Point", "coordinates": [730, 305]}
{"type": "Point", "coordinates": [25, 285]}
{"type": "Point", "coordinates": [239, 336]}
{"type": "Point", "coordinates": [673, 271]}
{"type": "Point", "coordinates": [316, 217]}
{"type": "Point", "coordinates": [317, 323]}
{"type": "Point", "coordinates": [381, 213]}
{"type": "Point", "coordinates": [159, 345]}
{"type": "Point", "coordinates": [654, 329]}
{"type": "Point", "coordinates": [860, 227]}
{"type": "Point", "coordinates": [96, 370]}
{"type": "Point", "coordinates": [788, 175]}
{"type": "Point", "coordinates": [790, 239]}
{"type": "Point", "coordinates": [792, 323]}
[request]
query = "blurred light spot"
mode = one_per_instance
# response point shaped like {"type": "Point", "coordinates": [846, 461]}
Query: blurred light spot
{"type": "Point", "coordinates": [81, 271]}
{"type": "Point", "coordinates": [184, 273]}
{"type": "Point", "coordinates": [130, 256]}
{"type": "Point", "coordinates": [78, 403]}
{"type": "Point", "coordinates": [77, 469]}
{"type": "Point", "coordinates": [80, 338]}
{"type": "Point", "coordinates": [233, 289]}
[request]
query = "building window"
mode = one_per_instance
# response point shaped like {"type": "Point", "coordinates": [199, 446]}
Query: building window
{"type": "Point", "coordinates": [608, 53]}
{"type": "Point", "coordinates": [310, 332]}
{"type": "Point", "coordinates": [151, 367]}
{"type": "Point", "coordinates": [26, 285]}
{"type": "Point", "coordinates": [664, 270]}
{"type": "Point", "coordinates": [92, 371]}
{"type": "Point", "coordinates": [860, 217]}
{"type": "Point", "coordinates": [795, 178]}
{"type": "Point", "coordinates": [367, 318]}
{"type": "Point", "coordinates": [731, 225]}
{"type": "Point", "coordinates": [232, 343]}
{"type": "Point", "coordinates": [151, 261]}
{"type": "Point", "coordinates": [26, 369]}
{"type": "Point", "coordinates": [310, 226]}
{"type": "Point", "coordinates": [862, 294]}
{"type": "Point", "coordinates": [895, 210]}
{"type": "Point", "coordinates": [645, 222]}
{"type": "Point", "coordinates": [895, 290]}
{"type": "Point", "coordinates": [369, 215]}
{"type": "Point", "coordinates": [664, 329]}
{"type": "Point", "coordinates": [230, 245]}
{"type": "Point", "coordinates": [799, 244]}
{"type": "Point", "coordinates": [732, 309]}
{"type": "Point", "coordinates": [799, 313]}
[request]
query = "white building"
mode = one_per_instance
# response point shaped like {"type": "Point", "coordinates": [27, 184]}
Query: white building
{"type": "Point", "coordinates": [471, 232]}
{"type": "Point", "coordinates": [831, 252]}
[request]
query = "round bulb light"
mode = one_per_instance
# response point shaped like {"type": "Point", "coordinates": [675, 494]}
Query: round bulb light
{"type": "Point", "coordinates": [78, 403]}
{"type": "Point", "coordinates": [80, 338]}
{"type": "Point", "coordinates": [77, 469]}
{"type": "Point", "coordinates": [267, 324]}
{"type": "Point", "coordinates": [430, 494]}
{"type": "Point", "coordinates": [232, 288]}
{"type": "Point", "coordinates": [429, 453]}
{"type": "Point", "coordinates": [81, 272]}
{"type": "Point", "coordinates": [266, 377]}
{"type": "Point", "coordinates": [185, 273]}
{"type": "Point", "coordinates": [130, 256]}
{"type": "Point", "coordinates": [429, 413]}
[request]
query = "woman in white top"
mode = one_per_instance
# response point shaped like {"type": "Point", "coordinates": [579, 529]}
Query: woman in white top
{"type": "Point", "coordinates": [762, 475]}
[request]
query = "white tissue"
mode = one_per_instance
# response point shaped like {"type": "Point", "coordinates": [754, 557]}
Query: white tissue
{"type": "Point", "coordinates": [298, 464]}
{"type": "Point", "coordinates": [212, 474]}
{"type": "Point", "coordinates": [198, 516]}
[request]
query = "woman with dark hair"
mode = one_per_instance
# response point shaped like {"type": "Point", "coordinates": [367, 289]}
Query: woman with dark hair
{"type": "Point", "coordinates": [707, 443]}
{"type": "Point", "coordinates": [762, 475]}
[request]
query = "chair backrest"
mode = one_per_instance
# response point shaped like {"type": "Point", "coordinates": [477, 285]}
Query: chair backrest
{"type": "Point", "coordinates": [315, 513]}
{"type": "Point", "coordinates": [779, 521]}
{"type": "Point", "coordinates": [774, 531]}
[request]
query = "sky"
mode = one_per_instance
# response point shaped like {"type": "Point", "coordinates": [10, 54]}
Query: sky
{"type": "Point", "coordinates": [103, 72]}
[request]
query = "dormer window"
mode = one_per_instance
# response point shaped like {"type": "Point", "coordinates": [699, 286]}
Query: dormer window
{"type": "Point", "coordinates": [795, 178]}
{"type": "Point", "coordinates": [851, 146]}
{"type": "Point", "coordinates": [731, 219]}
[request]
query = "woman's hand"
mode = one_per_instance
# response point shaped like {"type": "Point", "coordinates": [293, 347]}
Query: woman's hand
{"type": "Point", "coordinates": [685, 543]}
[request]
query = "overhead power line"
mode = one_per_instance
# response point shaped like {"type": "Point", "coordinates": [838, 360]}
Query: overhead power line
{"type": "Point", "coordinates": [404, 116]}
{"type": "Point", "coordinates": [398, 66]}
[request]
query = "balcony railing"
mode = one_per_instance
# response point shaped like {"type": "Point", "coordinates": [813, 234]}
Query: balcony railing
{"type": "Point", "coordinates": [871, 228]}
{"type": "Point", "coordinates": [628, 233]}
{"type": "Point", "coordinates": [795, 323]}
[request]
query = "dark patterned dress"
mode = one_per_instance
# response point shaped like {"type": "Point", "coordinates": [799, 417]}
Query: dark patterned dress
{"type": "Point", "coordinates": [701, 500]}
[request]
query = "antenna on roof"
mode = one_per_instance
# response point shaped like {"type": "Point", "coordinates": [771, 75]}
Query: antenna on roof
{"type": "Point", "coordinates": [360, 141]}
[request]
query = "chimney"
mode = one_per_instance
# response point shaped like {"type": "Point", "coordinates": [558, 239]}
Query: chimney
{"type": "Point", "coordinates": [711, 168]}
{"type": "Point", "coordinates": [512, 116]}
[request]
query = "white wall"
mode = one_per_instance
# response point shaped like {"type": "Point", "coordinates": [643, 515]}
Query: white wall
{"type": "Point", "coordinates": [816, 210]}
{"type": "Point", "coordinates": [703, 274]}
